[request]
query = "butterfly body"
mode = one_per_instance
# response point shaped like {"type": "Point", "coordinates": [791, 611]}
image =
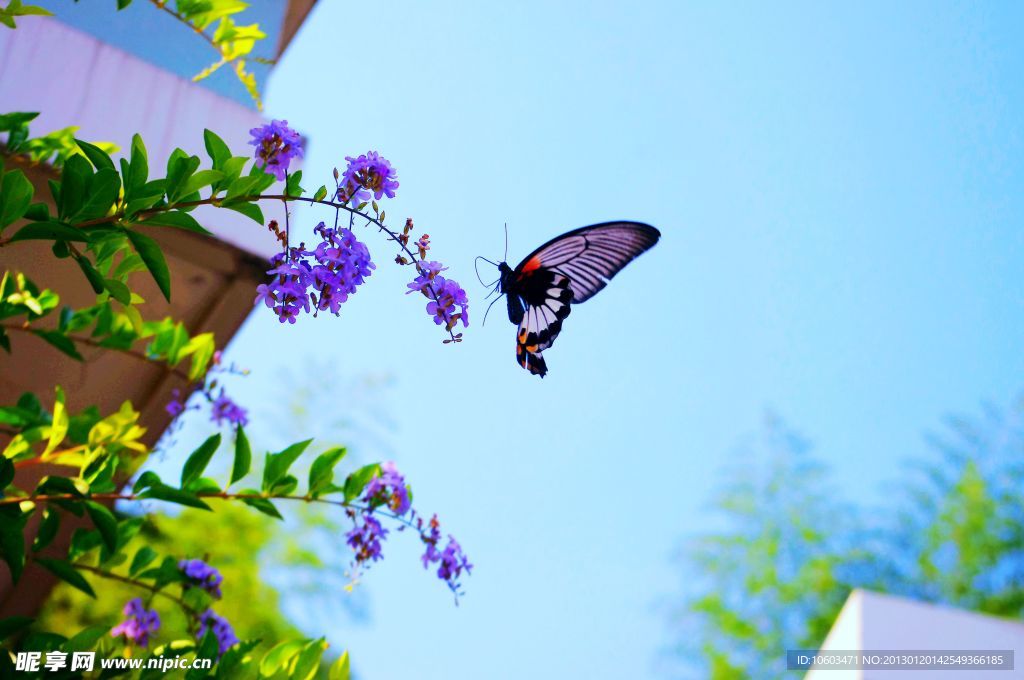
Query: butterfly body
{"type": "Point", "coordinates": [566, 270]}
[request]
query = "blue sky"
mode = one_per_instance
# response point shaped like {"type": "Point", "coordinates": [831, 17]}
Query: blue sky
{"type": "Point", "coordinates": [838, 189]}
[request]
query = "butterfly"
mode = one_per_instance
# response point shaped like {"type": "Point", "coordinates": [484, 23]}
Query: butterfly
{"type": "Point", "coordinates": [567, 270]}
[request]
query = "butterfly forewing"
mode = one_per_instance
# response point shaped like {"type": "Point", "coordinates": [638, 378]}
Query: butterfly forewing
{"type": "Point", "coordinates": [590, 256]}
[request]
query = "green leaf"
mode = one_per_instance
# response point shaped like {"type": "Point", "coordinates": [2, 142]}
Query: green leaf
{"type": "Point", "coordinates": [150, 253]}
{"type": "Point", "coordinates": [203, 178]}
{"type": "Point", "coordinates": [12, 625]}
{"type": "Point", "coordinates": [174, 218]}
{"type": "Point", "coordinates": [216, 148]}
{"type": "Point", "coordinates": [242, 186]}
{"type": "Point", "coordinates": [292, 187]}
{"type": "Point", "coordinates": [105, 523]}
{"type": "Point", "coordinates": [261, 504]}
{"type": "Point", "coordinates": [97, 156]}
{"type": "Point", "coordinates": [146, 480]}
{"type": "Point", "coordinates": [86, 639]}
{"type": "Point", "coordinates": [54, 485]}
{"type": "Point", "coordinates": [101, 193]}
{"type": "Point", "coordinates": [96, 280]}
{"type": "Point", "coordinates": [278, 657]}
{"type": "Point", "coordinates": [208, 649]}
{"type": "Point", "coordinates": [236, 662]}
{"type": "Point", "coordinates": [277, 464]}
{"type": "Point", "coordinates": [12, 540]}
{"type": "Point", "coordinates": [143, 557]}
{"type": "Point", "coordinates": [49, 231]}
{"type": "Point", "coordinates": [118, 291]}
{"type": "Point", "coordinates": [74, 183]}
{"type": "Point", "coordinates": [47, 529]}
{"type": "Point", "coordinates": [139, 166]}
{"type": "Point", "coordinates": [180, 168]}
{"type": "Point", "coordinates": [145, 197]}
{"type": "Point", "coordinates": [357, 481]}
{"type": "Point", "coordinates": [243, 456]}
{"type": "Point", "coordinates": [59, 423]}
{"type": "Point", "coordinates": [320, 194]}
{"type": "Point", "coordinates": [15, 196]}
{"type": "Point", "coordinates": [15, 120]}
{"type": "Point", "coordinates": [200, 458]}
{"type": "Point", "coordinates": [321, 472]}
{"type": "Point", "coordinates": [6, 472]}
{"type": "Point", "coordinates": [250, 210]}
{"type": "Point", "coordinates": [38, 212]}
{"type": "Point", "coordinates": [232, 170]}
{"type": "Point", "coordinates": [340, 669]}
{"type": "Point", "coordinates": [67, 573]}
{"type": "Point", "coordinates": [167, 572]}
{"type": "Point", "coordinates": [308, 661]}
{"type": "Point", "coordinates": [61, 342]}
{"type": "Point", "coordinates": [172, 495]}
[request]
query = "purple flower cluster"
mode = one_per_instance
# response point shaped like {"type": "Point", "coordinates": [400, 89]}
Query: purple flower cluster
{"type": "Point", "coordinates": [366, 538]}
{"type": "Point", "coordinates": [139, 623]}
{"type": "Point", "coordinates": [324, 277]}
{"type": "Point", "coordinates": [452, 561]}
{"type": "Point", "coordinates": [276, 145]}
{"type": "Point", "coordinates": [368, 174]}
{"type": "Point", "coordinates": [444, 295]}
{"type": "Point", "coordinates": [226, 638]}
{"type": "Point", "coordinates": [201, 575]}
{"type": "Point", "coordinates": [224, 409]}
{"type": "Point", "coordinates": [388, 488]}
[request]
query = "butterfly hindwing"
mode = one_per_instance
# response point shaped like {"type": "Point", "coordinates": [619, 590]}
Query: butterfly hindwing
{"type": "Point", "coordinates": [545, 297]}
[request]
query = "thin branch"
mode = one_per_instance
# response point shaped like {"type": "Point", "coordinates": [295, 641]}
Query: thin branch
{"type": "Point", "coordinates": [222, 495]}
{"type": "Point", "coordinates": [139, 584]}
{"type": "Point", "coordinates": [219, 202]}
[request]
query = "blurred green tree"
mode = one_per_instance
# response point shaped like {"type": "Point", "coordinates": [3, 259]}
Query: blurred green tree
{"type": "Point", "coordinates": [790, 550]}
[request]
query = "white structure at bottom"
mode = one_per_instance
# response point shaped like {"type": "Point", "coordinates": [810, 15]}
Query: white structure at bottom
{"type": "Point", "coordinates": [871, 622]}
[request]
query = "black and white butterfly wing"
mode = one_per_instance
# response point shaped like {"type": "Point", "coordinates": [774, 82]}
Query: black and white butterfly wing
{"type": "Point", "coordinates": [591, 256]}
{"type": "Point", "coordinates": [571, 268]}
{"type": "Point", "coordinates": [539, 305]}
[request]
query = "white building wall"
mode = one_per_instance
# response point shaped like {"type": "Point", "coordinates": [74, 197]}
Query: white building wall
{"type": "Point", "coordinates": [71, 78]}
{"type": "Point", "coordinates": [872, 621]}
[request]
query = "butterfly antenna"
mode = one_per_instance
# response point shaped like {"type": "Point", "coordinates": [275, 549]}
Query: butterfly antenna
{"type": "Point", "coordinates": [475, 268]}
{"type": "Point", "coordinates": [505, 257]}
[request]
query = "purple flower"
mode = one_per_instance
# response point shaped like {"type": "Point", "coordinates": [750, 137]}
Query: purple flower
{"type": "Point", "coordinates": [423, 283]}
{"type": "Point", "coordinates": [388, 489]}
{"type": "Point", "coordinates": [368, 173]}
{"type": "Point", "coordinates": [225, 409]}
{"type": "Point", "coordinates": [202, 575]}
{"type": "Point", "coordinates": [276, 145]}
{"type": "Point", "coordinates": [138, 624]}
{"type": "Point", "coordinates": [226, 638]}
{"type": "Point", "coordinates": [321, 279]}
{"type": "Point", "coordinates": [444, 295]}
{"type": "Point", "coordinates": [365, 539]}
{"type": "Point", "coordinates": [431, 537]}
{"type": "Point", "coordinates": [175, 407]}
{"type": "Point", "coordinates": [453, 562]}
